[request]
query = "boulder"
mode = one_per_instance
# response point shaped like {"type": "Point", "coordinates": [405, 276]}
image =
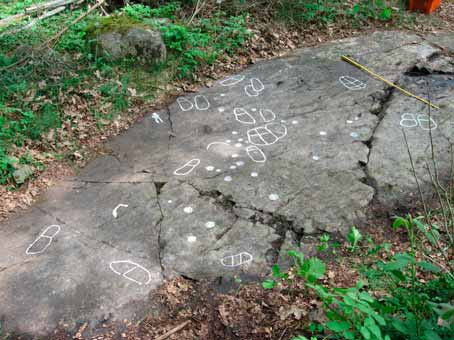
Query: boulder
{"type": "Point", "coordinates": [136, 41]}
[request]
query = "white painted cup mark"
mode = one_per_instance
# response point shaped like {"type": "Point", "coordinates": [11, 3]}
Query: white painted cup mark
{"type": "Point", "coordinates": [239, 163]}
{"type": "Point", "coordinates": [315, 158]}
{"type": "Point", "coordinates": [273, 197]}
{"type": "Point", "coordinates": [323, 133]}
{"type": "Point", "coordinates": [228, 178]}
{"type": "Point", "coordinates": [254, 174]}
{"type": "Point", "coordinates": [187, 168]}
{"type": "Point", "coordinates": [192, 238]}
{"type": "Point", "coordinates": [209, 168]}
{"type": "Point", "coordinates": [210, 224]}
{"type": "Point", "coordinates": [48, 236]}
{"type": "Point", "coordinates": [188, 210]}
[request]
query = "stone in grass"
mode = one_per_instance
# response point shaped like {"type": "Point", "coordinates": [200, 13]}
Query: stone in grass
{"type": "Point", "coordinates": [22, 173]}
{"type": "Point", "coordinates": [117, 38]}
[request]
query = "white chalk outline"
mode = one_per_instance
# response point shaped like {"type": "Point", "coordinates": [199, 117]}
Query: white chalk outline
{"type": "Point", "coordinates": [240, 112]}
{"type": "Point", "coordinates": [114, 211]}
{"type": "Point", "coordinates": [184, 100]}
{"type": "Point", "coordinates": [205, 99]}
{"type": "Point", "coordinates": [233, 80]}
{"type": "Point", "coordinates": [433, 124]}
{"type": "Point", "coordinates": [403, 118]}
{"type": "Point", "coordinates": [256, 132]}
{"type": "Point", "coordinates": [251, 150]}
{"type": "Point", "coordinates": [213, 143]}
{"type": "Point", "coordinates": [130, 270]}
{"type": "Point", "coordinates": [157, 118]}
{"type": "Point", "coordinates": [192, 164]}
{"type": "Point", "coordinates": [260, 84]}
{"type": "Point", "coordinates": [263, 116]}
{"type": "Point", "coordinates": [352, 83]}
{"type": "Point", "coordinates": [254, 92]}
{"type": "Point", "coordinates": [42, 235]}
{"type": "Point", "coordinates": [417, 119]}
{"type": "Point", "coordinates": [249, 258]}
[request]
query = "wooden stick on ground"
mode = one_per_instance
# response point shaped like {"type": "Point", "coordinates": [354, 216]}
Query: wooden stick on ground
{"type": "Point", "coordinates": [173, 331]}
{"type": "Point", "coordinates": [56, 37]}
{"type": "Point", "coordinates": [375, 75]}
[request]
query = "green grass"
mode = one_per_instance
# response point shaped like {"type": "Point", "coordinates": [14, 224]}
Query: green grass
{"type": "Point", "coordinates": [35, 95]}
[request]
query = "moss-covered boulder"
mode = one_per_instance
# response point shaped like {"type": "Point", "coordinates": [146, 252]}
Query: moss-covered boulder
{"type": "Point", "coordinates": [117, 38]}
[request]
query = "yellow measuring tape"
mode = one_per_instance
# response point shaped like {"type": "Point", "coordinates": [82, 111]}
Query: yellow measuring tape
{"type": "Point", "coordinates": [373, 74]}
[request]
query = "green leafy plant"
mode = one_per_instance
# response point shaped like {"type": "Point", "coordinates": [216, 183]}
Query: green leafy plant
{"type": "Point", "coordinates": [353, 237]}
{"type": "Point", "coordinates": [394, 305]}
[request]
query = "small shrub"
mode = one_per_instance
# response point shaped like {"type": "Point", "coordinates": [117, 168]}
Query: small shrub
{"type": "Point", "coordinates": [395, 305]}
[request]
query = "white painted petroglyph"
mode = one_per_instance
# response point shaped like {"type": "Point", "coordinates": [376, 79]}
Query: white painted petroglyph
{"type": "Point", "coordinates": [115, 211]}
{"type": "Point", "coordinates": [218, 170]}
{"type": "Point", "coordinates": [233, 80]}
{"type": "Point", "coordinates": [254, 88]}
{"type": "Point", "coordinates": [352, 83]}
{"type": "Point", "coordinates": [214, 143]}
{"type": "Point", "coordinates": [209, 168]}
{"type": "Point", "coordinates": [157, 118]}
{"type": "Point", "coordinates": [232, 167]}
{"type": "Point", "coordinates": [48, 234]}
{"type": "Point", "coordinates": [257, 85]}
{"type": "Point", "coordinates": [221, 109]}
{"type": "Point", "coordinates": [349, 121]}
{"type": "Point", "coordinates": [294, 122]}
{"type": "Point", "coordinates": [322, 133]}
{"type": "Point", "coordinates": [273, 197]}
{"type": "Point", "coordinates": [125, 274]}
{"type": "Point", "coordinates": [240, 139]}
{"type": "Point", "coordinates": [242, 116]}
{"type": "Point", "coordinates": [267, 135]}
{"type": "Point", "coordinates": [169, 201]}
{"type": "Point", "coordinates": [253, 109]}
{"type": "Point", "coordinates": [255, 154]}
{"type": "Point", "coordinates": [187, 168]}
{"type": "Point", "coordinates": [192, 238]}
{"type": "Point", "coordinates": [356, 118]}
{"type": "Point", "coordinates": [315, 158]}
{"type": "Point", "coordinates": [201, 102]}
{"type": "Point", "coordinates": [228, 178]}
{"type": "Point", "coordinates": [267, 115]}
{"type": "Point", "coordinates": [254, 174]}
{"type": "Point", "coordinates": [238, 145]}
{"type": "Point", "coordinates": [425, 123]}
{"type": "Point", "coordinates": [409, 120]}
{"type": "Point", "coordinates": [185, 104]}
{"type": "Point", "coordinates": [188, 210]}
{"type": "Point", "coordinates": [228, 141]}
{"type": "Point", "coordinates": [237, 260]}
{"type": "Point", "coordinates": [234, 132]}
{"type": "Point", "coordinates": [210, 224]}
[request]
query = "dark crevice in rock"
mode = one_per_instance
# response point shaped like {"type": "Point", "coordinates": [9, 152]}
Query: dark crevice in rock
{"type": "Point", "coordinates": [169, 117]}
{"type": "Point", "coordinates": [276, 221]}
{"type": "Point", "coordinates": [106, 182]}
{"type": "Point", "coordinates": [422, 71]}
{"type": "Point", "coordinates": [158, 186]}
